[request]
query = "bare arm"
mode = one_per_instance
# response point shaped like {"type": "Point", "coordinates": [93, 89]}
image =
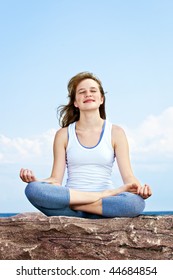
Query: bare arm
{"type": "Point", "coordinates": [59, 161]}
{"type": "Point", "coordinates": [121, 148]}
{"type": "Point", "coordinates": [59, 153]}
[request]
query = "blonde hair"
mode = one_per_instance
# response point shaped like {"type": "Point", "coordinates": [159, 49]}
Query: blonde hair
{"type": "Point", "coordinates": [69, 113]}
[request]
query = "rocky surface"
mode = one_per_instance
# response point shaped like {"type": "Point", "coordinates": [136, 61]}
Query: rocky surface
{"type": "Point", "coordinates": [33, 236]}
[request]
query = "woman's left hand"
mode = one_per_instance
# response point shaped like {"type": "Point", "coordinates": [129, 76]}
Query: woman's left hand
{"type": "Point", "coordinates": [145, 191]}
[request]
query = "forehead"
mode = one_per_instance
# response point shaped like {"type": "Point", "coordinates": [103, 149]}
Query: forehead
{"type": "Point", "coordinates": [87, 83]}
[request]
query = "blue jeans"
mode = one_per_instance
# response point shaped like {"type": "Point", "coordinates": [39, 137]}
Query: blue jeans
{"type": "Point", "coordinates": [55, 201]}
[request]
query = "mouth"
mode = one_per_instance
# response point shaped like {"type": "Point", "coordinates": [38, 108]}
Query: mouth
{"type": "Point", "coordinates": [89, 101]}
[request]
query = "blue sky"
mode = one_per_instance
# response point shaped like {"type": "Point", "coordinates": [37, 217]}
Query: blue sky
{"type": "Point", "coordinates": [127, 43]}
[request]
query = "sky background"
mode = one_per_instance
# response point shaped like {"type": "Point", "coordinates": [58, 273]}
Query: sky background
{"type": "Point", "coordinates": [128, 44]}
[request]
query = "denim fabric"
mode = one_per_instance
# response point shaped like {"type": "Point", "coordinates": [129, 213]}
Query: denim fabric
{"type": "Point", "coordinates": [125, 204]}
{"type": "Point", "coordinates": [55, 200]}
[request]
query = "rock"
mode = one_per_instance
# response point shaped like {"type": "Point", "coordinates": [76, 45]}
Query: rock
{"type": "Point", "coordinates": [33, 236]}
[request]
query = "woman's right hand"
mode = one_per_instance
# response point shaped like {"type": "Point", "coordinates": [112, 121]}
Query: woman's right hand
{"type": "Point", "coordinates": [27, 175]}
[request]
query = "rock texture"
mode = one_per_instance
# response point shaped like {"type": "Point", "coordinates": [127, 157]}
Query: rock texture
{"type": "Point", "coordinates": [33, 236]}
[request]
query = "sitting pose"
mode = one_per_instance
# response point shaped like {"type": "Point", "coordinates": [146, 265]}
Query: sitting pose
{"type": "Point", "coordinates": [87, 144]}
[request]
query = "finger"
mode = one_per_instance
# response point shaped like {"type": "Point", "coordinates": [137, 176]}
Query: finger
{"type": "Point", "coordinates": [141, 191]}
{"type": "Point", "coordinates": [150, 192]}
{"type": "Point", "coordinates": [136, 188]}
{"type": "Point", "coordinates": [22, 176]}
{"type": "Point", "coordinates": [133, 188]}
{"type": "Point", "coordinates": [21, 172]}
{"type": "Point", "coordinates": [33, 178]}
{"type": "Point", "coordinates": [27, 175]}
{"type": "Point", "coordinates": [147, 191]}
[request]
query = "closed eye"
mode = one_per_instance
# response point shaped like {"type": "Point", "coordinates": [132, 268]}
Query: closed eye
{"type": "Point", "coordinates": [93, 90]}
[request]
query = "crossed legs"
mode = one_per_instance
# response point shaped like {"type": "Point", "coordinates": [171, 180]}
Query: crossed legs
{"type": "Point", "coordinates": [61, 201]}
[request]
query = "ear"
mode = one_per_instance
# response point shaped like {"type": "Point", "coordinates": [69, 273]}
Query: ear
{"type": "Point", "coordinates": [75, 104]}
{"type": "Point", "coordinates": [102, 100]}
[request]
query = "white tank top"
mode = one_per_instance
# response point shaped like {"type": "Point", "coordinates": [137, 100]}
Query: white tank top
{"type": "Point", "coordinates": [90, 168]}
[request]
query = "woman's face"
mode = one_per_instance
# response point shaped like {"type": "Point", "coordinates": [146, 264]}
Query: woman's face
{"type": "Point", "coordinates": [88, 95]}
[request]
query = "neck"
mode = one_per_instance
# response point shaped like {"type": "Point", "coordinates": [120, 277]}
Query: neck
{"type": "Point", "coordinates": [89, 121]}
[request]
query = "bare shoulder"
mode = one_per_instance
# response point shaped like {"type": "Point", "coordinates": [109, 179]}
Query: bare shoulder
{"type": "Point", "coordinates": [61, 136]}
{"type": "Point", "coordinates": [62, 132]}
{"type": "Point", "coordinates": [117, 130]}
{"type": "Point", "coordinates": [118, 134]}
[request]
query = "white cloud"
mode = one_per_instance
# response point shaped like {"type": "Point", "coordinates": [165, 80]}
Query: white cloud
{"type": "Point", "coordinates": [14, 150]}
{"type": "Point", "coordinates": [153, 138]}
{"type": "Point", "coordinates": [151, 143]}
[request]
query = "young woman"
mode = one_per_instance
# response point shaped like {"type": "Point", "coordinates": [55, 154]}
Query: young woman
{"type": "Point", "coordinates": [87, 144]}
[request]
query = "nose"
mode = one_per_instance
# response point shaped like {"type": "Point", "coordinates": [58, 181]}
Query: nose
{"type": "Point", "coordinates": [88, 93]}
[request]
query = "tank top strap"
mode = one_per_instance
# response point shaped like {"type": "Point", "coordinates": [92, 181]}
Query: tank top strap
{"type": "Point", "coordinates": [71, 134]}
{"type": "Point", "coordinates": [108, 133]}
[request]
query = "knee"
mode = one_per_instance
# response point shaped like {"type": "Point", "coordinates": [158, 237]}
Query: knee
{"type": "Point", "coordinates": [32, 189]}
{"type": "Point", "coordinates": [135, 205]}
{"type": "Point", "coordinates": [123, 205]}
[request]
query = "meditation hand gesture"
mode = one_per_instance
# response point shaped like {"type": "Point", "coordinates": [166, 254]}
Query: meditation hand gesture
{"type": "Point", "coordinates": [27, 176]}
{"type": "Point", "coordinates": [144, 191]}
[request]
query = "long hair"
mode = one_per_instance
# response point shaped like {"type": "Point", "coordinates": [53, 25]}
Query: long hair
{"type": "Point", "coordinates": [69, 113]}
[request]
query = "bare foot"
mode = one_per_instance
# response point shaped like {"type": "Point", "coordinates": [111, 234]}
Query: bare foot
{"type": "Point", "coordinates": [133, 188]}
{"type": "Point", "coordinates": [81, 198]}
